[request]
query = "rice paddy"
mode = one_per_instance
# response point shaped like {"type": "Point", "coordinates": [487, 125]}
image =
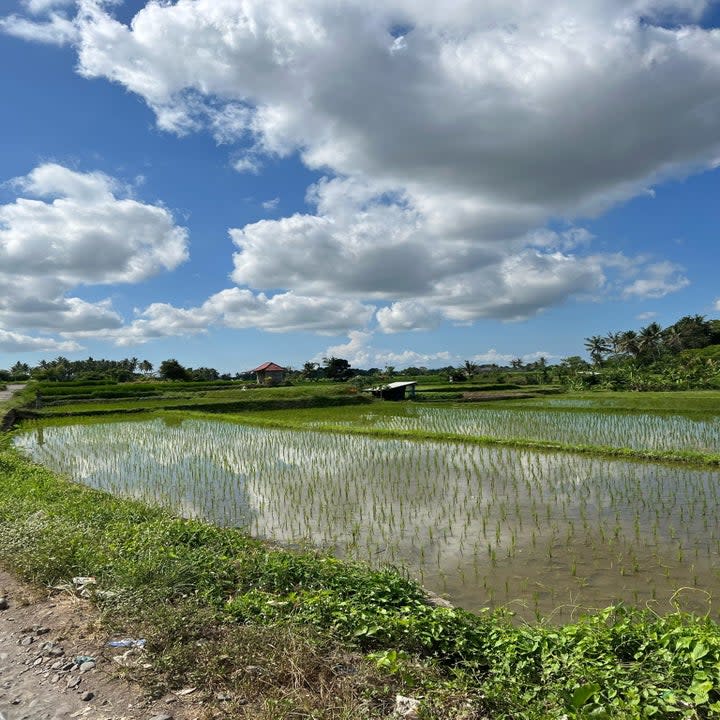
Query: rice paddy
{"type": "Point", "coordinates": [545, 533]}
{"type": "Point", "coordinates": [638, 432]}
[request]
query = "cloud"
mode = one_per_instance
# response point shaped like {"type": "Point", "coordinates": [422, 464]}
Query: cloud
{"type": "Point", "coordinates": [11, 342]}
{"type": "Point", "coordinates": [58, 30]}
{"type": "Point", "coordinates": [407, 315]}
{"type": "Point", "coordinates": [41, 6]}
{"type": "Point", "coordinates": [533, 105]}
{"type": "Point", "coordinates": [67, 229]}
{"type": "Point", "coordinates": [361, 354]}
{"type": "Point", "coordinates": [646, 315]}
{"type": "Point", "coordinates": [659, 279]}
{"type": "Point", "coordinates": [447, 150]}
{"type": "Point", "coordinates": [240, 308]}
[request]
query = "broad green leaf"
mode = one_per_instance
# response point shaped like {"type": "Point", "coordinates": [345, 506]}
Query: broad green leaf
{"type": "Point", "coordinates": [583, 694]}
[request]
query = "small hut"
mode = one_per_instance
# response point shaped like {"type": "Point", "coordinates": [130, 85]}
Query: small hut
{"type": "Point", "coordinates": [394, 390]}
{"type": "Point", "coordinates": [269, 373]}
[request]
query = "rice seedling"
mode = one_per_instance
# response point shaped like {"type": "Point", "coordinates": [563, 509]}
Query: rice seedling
{"type": "Point", "coordinates": [480, 523]}
{"type": "Point", "coordinates": [637, 431]}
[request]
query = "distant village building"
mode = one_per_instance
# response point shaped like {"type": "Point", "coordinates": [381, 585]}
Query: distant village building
{"type": "Point", "coordinates": [394, 390]}
{"type": "Point", "coordinates": [269, 373]}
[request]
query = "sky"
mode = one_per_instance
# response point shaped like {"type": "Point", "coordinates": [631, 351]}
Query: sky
{"type": "Point", "coordinates": [229, 182]}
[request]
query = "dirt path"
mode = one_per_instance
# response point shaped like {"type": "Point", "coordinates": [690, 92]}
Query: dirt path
{"type": "Point", "coordinates": [10, 390]}
{"type": "Point", "coordinates": [55, 663]}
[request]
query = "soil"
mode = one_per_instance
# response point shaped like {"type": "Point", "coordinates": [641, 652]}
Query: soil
{"type": "Point", "coordinates": [44, 638]}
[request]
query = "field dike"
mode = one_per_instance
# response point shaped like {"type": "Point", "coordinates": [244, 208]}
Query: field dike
{"type": "Point", "coordinates": [261, 632]}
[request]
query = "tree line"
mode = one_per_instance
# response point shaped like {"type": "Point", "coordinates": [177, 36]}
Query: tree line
{"type": "Point", "coordinates": [683, 355]}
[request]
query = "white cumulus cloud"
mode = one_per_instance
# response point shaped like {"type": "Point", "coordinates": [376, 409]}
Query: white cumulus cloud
{"type": "Point", "coordinates": [241, 308]}
{"type": "Point", "coordinates": [12, 342]}
{"type": "Point", "coordinates": [447, 150]}
{"type": "Point", "coordinates": [66, 229]}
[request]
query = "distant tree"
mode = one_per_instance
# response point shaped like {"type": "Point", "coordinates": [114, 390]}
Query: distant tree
{"type": "Point", "coordinates": [649, 341]}
{"type": "Point", "coordinates": [597, 347]}
{"type": "Point", "coordinates": [337, 368]}
{"type": "Point", "coordinates": [145, 367]}
{"type": "Point", "coordinates": [690, 332]}
{"type": "Point", "coordinates": [203, 374]}
{"type": "Point", "coordinates": [470, 369]}
{"type": "Point", "coordinates": [172, 370]}
{"type": "Point", "coordinates": [310, 371]}
{"type": "Point", "coordinates": [20, 371]}
{"type": "Point", "coordinates": [516, 364]}
{"type": "Point", "coordinates": [628, 343]}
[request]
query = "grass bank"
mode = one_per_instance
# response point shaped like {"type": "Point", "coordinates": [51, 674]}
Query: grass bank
{"type": "Point", "coordinates": [288, 635]}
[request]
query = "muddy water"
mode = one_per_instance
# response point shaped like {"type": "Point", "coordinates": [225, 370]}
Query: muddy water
{"type": "Point", "coordinates": [546, 534]}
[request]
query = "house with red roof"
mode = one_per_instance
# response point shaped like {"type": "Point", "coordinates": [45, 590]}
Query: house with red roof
{"type": "Point", "coordinates": [269, 373]}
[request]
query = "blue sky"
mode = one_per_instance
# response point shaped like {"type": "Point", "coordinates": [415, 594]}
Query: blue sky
{"type": "Point", "coordinates": [228, 183]}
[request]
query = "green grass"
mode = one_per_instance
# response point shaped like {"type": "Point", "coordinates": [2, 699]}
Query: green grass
{"type": "Point", "coordinates": [691, 403]}
{"type": "Point", "coordinates": [217, 400]}
{"type": "Point", "coordinates": [213, 603]}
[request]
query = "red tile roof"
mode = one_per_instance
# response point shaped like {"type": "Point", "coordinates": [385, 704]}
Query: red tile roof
{"type": "Point", "coordinates": [268, 367]}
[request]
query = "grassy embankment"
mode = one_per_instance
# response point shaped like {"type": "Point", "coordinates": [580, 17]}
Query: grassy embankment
{"type": "Point", "coordinates": [288, 635]}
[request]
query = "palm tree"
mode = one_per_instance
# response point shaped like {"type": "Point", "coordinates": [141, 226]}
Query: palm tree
{"type": "Point", "coordinates": [673, 339]}
{"type": "Point", "coordinates": [649, 339]}
{"type": "Point", "coordinates": [614, 342]}
{"type": "Point", "coordinates": [470, 369]}
{"type": "Point", "coordinates": [628, 343]}
{"type": "Point", "coordinates": [597, 348]}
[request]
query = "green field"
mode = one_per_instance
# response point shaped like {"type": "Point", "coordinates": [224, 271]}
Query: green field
{"type": "Point", "coordinates": [464, 496]}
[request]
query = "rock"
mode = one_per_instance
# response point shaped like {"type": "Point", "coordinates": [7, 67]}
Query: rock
{"type": "Point", "coordinates": [87, 666]}
{"type": "Point", "coordinates": [4, 604]}
{"type": "Point", "coordinates": [87, 696]}
{"type": "Point", "coordinates": [407, 707]}
{"type": "Point", "coordinates": [162, 717]}
{"type": "Point", "coordinates": [27, 640]}
{"type": "Point", "coordinates": [53, 650]}
{"type": "Point", "coordinates": [73, 682]}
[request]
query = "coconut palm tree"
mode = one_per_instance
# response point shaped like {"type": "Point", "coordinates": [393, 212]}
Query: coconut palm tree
{"type": "Point", "coordinates": [628, 343]}
{"type": "Point", "coordinates": [649, 340]}
{"type": "Point", "coordinates": [597, 347]}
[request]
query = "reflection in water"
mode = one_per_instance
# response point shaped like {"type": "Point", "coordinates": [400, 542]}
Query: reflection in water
{"type": "Point", "coordinates": [486, 525]}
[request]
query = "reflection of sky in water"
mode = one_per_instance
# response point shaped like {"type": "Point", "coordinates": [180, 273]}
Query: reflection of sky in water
{"type": "Point", "coordinates": [483, 523]}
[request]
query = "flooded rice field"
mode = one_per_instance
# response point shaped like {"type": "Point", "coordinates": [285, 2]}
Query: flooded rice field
{"type": "Point", "coordinates": [636, 431]}
{"type": "Point", "coordinates": [545, 533]}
